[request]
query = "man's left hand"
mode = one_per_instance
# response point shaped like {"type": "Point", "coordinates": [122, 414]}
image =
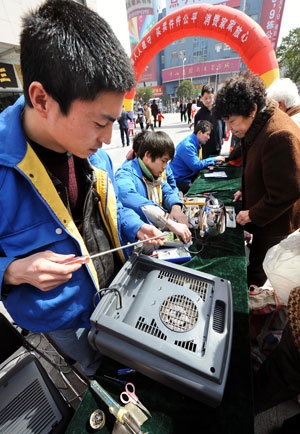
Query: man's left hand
{"type": "Point", "coordinates": [177, 214]}
{"type": "Point", "coordinates": [243, 217]}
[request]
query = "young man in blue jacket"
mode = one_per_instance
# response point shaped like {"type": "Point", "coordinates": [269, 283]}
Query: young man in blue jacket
{"type": "Point", "coordinates": [143, 188]}
{"type": "Point", "coordinates": [56, 183]}
{"type": "Point", "coordinates": [188, 156]}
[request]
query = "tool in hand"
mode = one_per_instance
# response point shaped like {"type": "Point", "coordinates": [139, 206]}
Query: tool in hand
{"type": "Point", "coordinates": [85, 258]}
{"type": "Point", "coordinates": [130, 396]}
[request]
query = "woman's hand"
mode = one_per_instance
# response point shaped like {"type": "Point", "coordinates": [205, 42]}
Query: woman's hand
{"type": "Point", "coordinates": [243, 217]}
{"type": "Point", "coordinates": [237, 196]}
{"type": "Point", "coordinates": [42, 270]}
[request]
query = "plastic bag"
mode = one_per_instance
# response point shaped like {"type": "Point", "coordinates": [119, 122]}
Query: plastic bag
{"type": "Point", "coordinates": [282, 265]}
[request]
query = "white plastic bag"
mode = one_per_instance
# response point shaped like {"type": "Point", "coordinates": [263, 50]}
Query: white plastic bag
{"type": "Point", "coordinates": [282, 265]}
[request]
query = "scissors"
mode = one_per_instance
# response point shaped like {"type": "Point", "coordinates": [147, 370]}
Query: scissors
{"type": "Point", "coordinates": [130, 396]}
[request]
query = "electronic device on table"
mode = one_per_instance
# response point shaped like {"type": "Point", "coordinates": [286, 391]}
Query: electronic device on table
{"type": "Point", "coordinates": [169, 322]}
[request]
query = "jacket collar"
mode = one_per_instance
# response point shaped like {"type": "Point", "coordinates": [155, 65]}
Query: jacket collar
{"type": "Point", "coordinates": [13, 144]}
{"type": "Point", "coordinates": [259, 121]}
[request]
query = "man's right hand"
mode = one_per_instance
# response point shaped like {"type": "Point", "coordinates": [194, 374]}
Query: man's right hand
{"type": "Point", "coordinates": [220, 159]}
{"type": "Point", "coordinates": [42, 270]}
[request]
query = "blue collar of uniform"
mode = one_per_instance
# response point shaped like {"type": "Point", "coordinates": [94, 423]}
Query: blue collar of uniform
{"type": "Point", "coordinates": [13, 144]}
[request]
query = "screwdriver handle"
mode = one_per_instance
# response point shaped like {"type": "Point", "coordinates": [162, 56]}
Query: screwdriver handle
{"type": "Point", "coordinates": [77, 260]}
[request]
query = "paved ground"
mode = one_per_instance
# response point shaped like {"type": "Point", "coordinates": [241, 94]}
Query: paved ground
{"type": "Point", "coordinates": [267, 422]}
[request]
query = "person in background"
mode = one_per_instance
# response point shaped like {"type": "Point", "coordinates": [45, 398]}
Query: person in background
{"type": "Point", "coordinates": [62, 182]}
{"type": "Point", "coordinates": [285, 92]}
{"type": "Point", "coordinates": [123, 125]}
{"type": "Point", "coordinates": [189, 111]}
{"type": "Point", "coordinates": [218, 133]}
{"type": "Point", "coordinates": [182, 108]}
{"type": "Point", "coordinates": [195, 108]}
{"type": "Point", "coordinates": [140, 115]}
{"type": "Point", "coordinates": [148, 116]}
{"type": "Point", "coordinates": [188, 156]}
{"type": "Point", "coordinates": [131, 126]}
{"type": "Point", "coordinates": [142, 187]}
{"type": "Point", "coordinates": [270, 188]}
{"type": "Point", "coordinates": [154, 112]}
{"type": "Point", "coordinates": [160, 117]}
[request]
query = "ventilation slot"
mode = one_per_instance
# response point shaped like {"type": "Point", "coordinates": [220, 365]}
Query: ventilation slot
{"type": "Point", "coordinates": [178, 313]}
{"type": "Point", "coordinates": [32, 404]}
{"type": "Point", "coordinates": [219, 316]}
{"type": "Point", "coordinates": [152, 329]}
{"type": "Point", "coordinates": [198, 286]}
{"type": "Point", "coordinates": [187, 345]}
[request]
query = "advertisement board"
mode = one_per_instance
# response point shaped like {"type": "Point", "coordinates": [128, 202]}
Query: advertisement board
{"type": "Point", "coordinates": [172, 5]}
{"type": "Point", "coordinates": [141, 16]}
{"type": "Point", "coordinates": [270, 19]}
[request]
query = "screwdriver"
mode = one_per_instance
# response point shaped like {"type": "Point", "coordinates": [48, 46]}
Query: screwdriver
{"type": "Point", "coordinates": [85, 258]}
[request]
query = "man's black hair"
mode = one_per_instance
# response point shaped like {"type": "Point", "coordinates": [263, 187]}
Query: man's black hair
{"type": "Point", "coordinates": [138, 139]}
{"type": "Point", "coordinates": [203, 126]}
{"type": "Point", "coordinates": [207, 89]}
{"type": "Point", "coordinates": [158, 143]}
{"type": "Point", "coordinates": [73, 53]}
{"type": "Point", "coordinates": [239, 95]}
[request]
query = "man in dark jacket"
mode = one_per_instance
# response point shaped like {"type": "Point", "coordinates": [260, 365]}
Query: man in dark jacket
{"type": "Point", "coordinates": [154, 111]}
{"type": "Point", "coordinates": [123, 124]}
{"type": "Point", "coordinates": [218, 133]}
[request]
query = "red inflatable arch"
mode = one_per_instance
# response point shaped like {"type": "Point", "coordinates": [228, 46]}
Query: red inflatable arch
{"type": "Point", "coordinates": [223, 23]}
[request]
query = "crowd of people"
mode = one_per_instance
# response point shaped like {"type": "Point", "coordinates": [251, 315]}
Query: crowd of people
{"type": "Point", "coordinates": [68, 201]}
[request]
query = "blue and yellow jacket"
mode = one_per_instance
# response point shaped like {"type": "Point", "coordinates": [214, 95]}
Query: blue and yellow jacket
{"type": "Point", "coordinates": [133, 190]}
{"type": "Point", "coordinates": [186, 163]}
{"type": "Point", "coordinates": [34, 219]}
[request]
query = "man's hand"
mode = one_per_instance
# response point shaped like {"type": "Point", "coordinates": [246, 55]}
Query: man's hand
{"type": "Point", "coordinates": [243, 217]}
{"type": "Point", "coordinates": [180, 229]}
{"type": "Point", "coordinates": [177, 214]}
{"type": "Point", "coordinates": [42, 270]}
{"type": "Point", "coordinates": [237, 196]}
{"type": "Point", "coordinates": [220, 159]}
{"type": "Point", "coordinates": [148, 231]}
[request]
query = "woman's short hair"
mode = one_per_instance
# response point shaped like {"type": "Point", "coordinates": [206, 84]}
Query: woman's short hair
{"type": "Point", "coordinates": [157, 143]}
{"type": "Point", "coordinates": [239, 95]}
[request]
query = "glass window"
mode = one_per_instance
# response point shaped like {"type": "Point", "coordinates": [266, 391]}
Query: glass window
{"type": "Point", "coordinates": [162, 59]}
{"type": "Point", "coordinates": [218, 47]}
{"type": "Point", "coordinates": [226, 47]}
{"type": "Point", "coordinates": [174, 55]}
{"type": "Point", "coordinates": [182, 54]}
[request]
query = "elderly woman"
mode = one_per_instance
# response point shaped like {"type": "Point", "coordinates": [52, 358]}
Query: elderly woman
{"type": "Point", "coordinates": [271, 165]}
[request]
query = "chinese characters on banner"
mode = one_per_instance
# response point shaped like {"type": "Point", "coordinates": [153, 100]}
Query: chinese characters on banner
{"type": "Point", "coordinates": [158, 90]}
{"type": "Point", "coordinates": [230, 27]}
{"type": "Point", "coordinates": [270, 20]}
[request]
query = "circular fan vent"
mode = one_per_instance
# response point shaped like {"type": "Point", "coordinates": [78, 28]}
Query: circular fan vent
{"type": "Point", "coordinates": [178, 313]}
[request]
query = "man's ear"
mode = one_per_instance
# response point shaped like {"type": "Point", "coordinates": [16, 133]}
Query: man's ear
{"type": "Point", "coordinates": [39, 98]}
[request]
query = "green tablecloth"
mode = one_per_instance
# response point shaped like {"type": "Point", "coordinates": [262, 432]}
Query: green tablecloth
{"type": "Point", "coordinates": [173, 413]}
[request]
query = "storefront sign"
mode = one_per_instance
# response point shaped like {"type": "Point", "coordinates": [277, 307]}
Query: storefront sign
{"type": "Point", "coordinates": [7, 76]}
{"type": "Point", "coordinates": [172, 5]}
{"type": "Point", "coordinates": [200, 69]}
{"type": "Point", "coordinates": [158, 90]}
{"type": "Point", "coordinates": [139, 7]}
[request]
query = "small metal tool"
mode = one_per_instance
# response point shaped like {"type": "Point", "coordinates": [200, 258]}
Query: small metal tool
{"type": "Point", "coordinates": [85, 258]}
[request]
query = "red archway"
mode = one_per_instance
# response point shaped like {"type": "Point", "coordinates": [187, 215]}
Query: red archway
{"type": "Point", "coordinates": [223, 23]}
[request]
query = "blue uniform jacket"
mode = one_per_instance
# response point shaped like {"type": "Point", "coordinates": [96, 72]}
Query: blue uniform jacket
{"type": "Point", "coordinates": [133, 190]}
{"type": "Point", "coordinates": [186, 163]}
{"type": "Point", "coordinates": [34, 219]}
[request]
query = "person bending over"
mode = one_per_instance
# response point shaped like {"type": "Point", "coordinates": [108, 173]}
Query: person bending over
{"type": "Point", "coordinates": [56, 183]}
{"type": "Point", "coordinates": [188, 156]}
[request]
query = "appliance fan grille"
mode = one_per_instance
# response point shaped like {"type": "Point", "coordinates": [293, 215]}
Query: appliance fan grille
{"type": "Point", "coordinates": [179, 313]}
{"type": "Point", "coordinates": [198, 286]}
